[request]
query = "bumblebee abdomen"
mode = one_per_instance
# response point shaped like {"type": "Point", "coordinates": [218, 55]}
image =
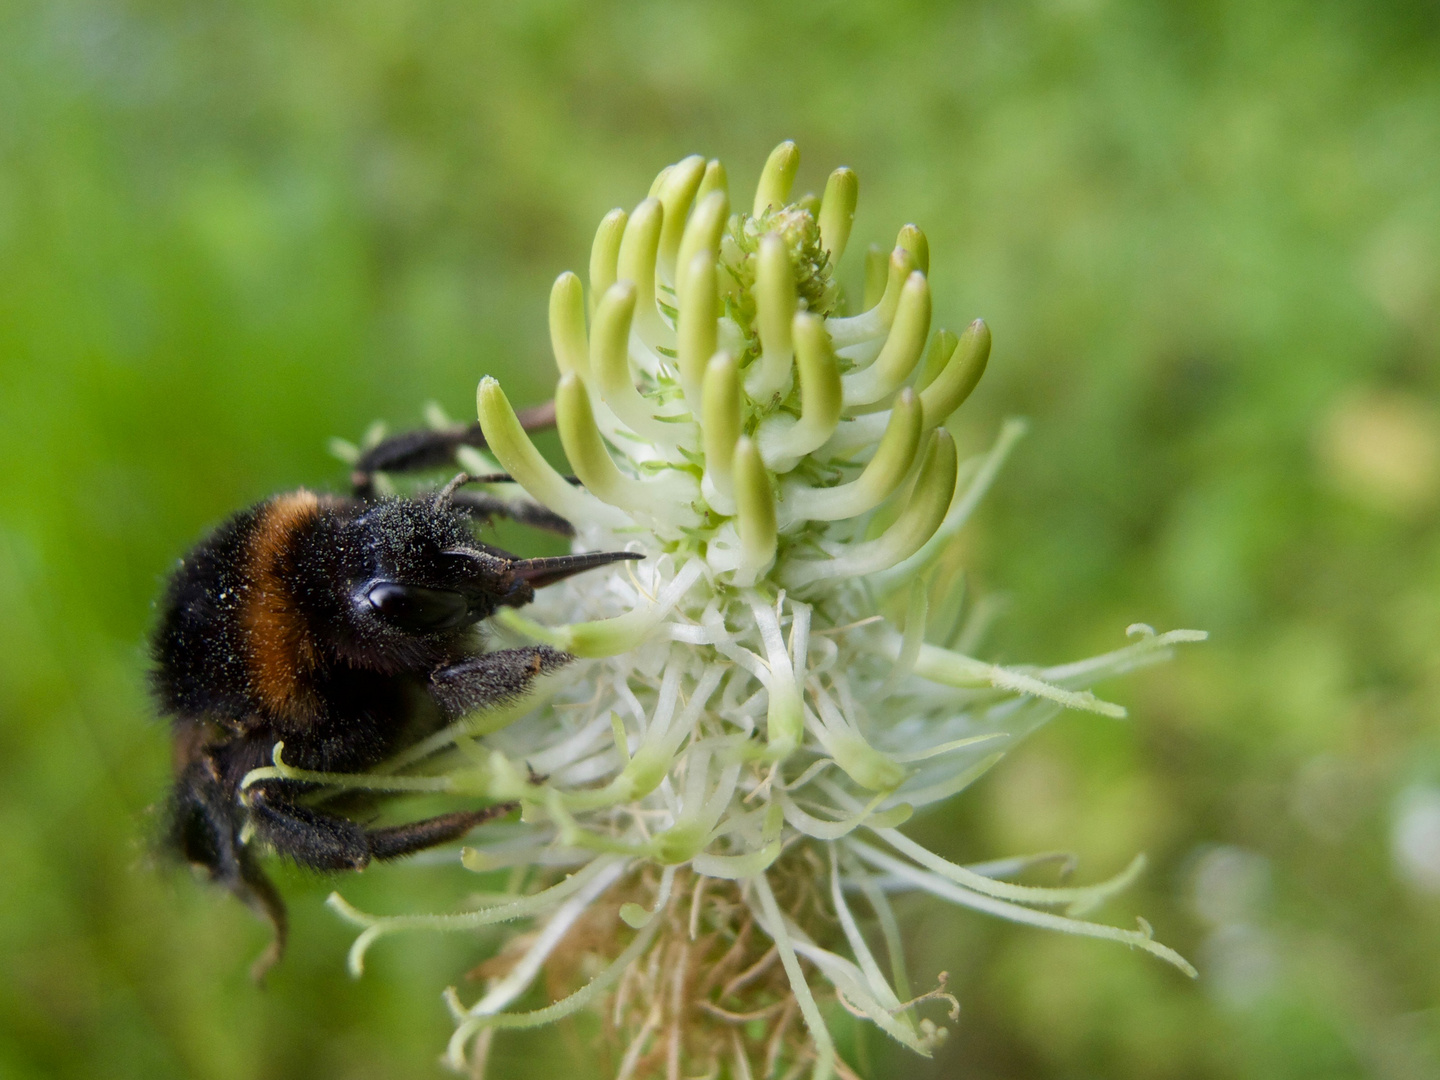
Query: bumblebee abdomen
{"type": "Point", "coordinates": [232, 641]}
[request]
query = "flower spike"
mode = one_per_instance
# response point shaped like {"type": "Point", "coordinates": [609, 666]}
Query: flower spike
{"type": "Point", "coordinates": [742, 711]}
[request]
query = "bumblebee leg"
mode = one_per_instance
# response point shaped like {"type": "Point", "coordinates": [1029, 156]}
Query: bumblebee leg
{"type": "Point", "coordinates": [202, 830]}
{"type": "Point", "coordinates": [332, 843]}
{"type": "Point", "coordinates": [401, 840]}
{"type": "Point", "coordinates": [310, 838]}
{"type": "Point", "coordinates": [429, 448]}
{"type": "Point", "coordinates": [492, 679]}
{"type": "Point", "coordinates": [260, 895]}
{"type": "Point", "coordinates": [483, 506]}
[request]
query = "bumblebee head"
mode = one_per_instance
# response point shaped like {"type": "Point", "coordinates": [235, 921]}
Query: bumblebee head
{"type": "Point", "coordinates": [420, 571]}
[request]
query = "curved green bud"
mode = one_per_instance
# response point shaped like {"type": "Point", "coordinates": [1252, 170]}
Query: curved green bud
{"type": "Point", "coordinates": [774, 317]}
{"type": "Point", "coordinates": [696, 313]}
{"type": "Point", "coordinates": [517, 455]}
{"type": "Point", "coordinates": [754, 507]}
{"type": "Point", "coordinates": [837, 212]}
{"type": "Point", "coordinates": [584, 445]}
{"type": "Point", "coordinates": [714, 180]}
{"type": "Point", "coordinates": [867, 766]}
{"type": "Point", "coordinates": [605, 253]}
{"type": "Point", "coordinates": [639, 248]}
{"type": "Point", "coordinates": [567, 324]}
{"type": "Point", "coordinates": [610, 366]}
{"type": "Point", "coordinates": [953, 385]}
{"type": "Point", "coordinates": [876, 321]}
{"type": "Point", "coordinates": [882, 476]}
{"type": "Point", "coordinates": [929, 500]}
{"type": "Point", "coordinates": [592, 463]}
{"type": "Point", "coordinates": [678, 844]}
{"type": "Point", "coordinates": [777, 177]}
{"type": "Point", "coordinates": [902, 349]}
{"type": "Point", "coordinates": [720, 429]}
{"type": "Point", "coordinates": [913, 241]}
{"type": "Point", "coordinates": [676, 194]}
{"type": "Point", "coordinates": [977, 482]}
{"type": "Point", "coordinates": [781, 438]}
{"type": "Point", "coordinates": [936, 357]}
{"type": "Point", "coordinates": [702, 231]}
{"type": "Point", "coordinates": [737, 867]}
{"type": "Point", "coordinates": [877, 271]}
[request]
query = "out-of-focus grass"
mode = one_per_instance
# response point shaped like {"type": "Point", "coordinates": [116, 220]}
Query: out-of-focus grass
{"type": "Point", "coordinates": [1205, 236]}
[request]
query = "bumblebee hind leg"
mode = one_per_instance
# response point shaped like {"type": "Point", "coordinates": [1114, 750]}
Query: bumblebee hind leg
{"type": "Point", "coordinates": [259, 894]}
{"type": "Point", "coordinates": [401, 840]}
{"type": "Point", "coordinates": [204, 833]}
{"type": "Point", "coordinates": [323, 842]}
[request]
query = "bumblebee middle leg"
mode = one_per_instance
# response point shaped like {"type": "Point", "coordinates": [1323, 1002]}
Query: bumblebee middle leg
{"type": "Point", "coordinates": [483, 506]}
{"type": "Point", "coordinates": [323, 842]}
{"type": "Point", "coordinates": [429, 448]}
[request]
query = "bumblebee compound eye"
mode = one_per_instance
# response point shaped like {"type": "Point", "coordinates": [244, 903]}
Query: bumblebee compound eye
{"type": "Point", "coordinates": [418, 609]}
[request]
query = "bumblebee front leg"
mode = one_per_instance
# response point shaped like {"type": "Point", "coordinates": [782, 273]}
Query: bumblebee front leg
{"type": "Point", "coordinates": [323, 842]}
{"type": "Point", "coordinates": [492, 679]}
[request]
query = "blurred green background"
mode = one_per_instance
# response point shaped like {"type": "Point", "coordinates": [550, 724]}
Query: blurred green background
{"type": "Point", "coordinates": [1207, 238]}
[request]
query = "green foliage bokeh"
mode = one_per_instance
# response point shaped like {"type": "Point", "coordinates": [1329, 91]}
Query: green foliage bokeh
{"type": "Point", "coordinates": [1201, 233]}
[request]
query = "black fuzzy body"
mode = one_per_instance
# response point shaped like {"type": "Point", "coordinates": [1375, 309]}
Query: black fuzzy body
{"type": "Point", "coordinates": [348, 629]}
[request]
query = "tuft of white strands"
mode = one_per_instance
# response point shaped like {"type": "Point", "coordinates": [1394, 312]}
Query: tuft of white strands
{"type": "Point", "coordinates": [762, 699]}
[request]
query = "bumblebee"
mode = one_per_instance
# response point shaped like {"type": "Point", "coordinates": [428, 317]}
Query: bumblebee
{"type": "Point", "coordinates": [348, 628]}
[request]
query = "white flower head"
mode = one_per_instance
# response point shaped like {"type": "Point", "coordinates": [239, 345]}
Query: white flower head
{"type": "Point", "coordinates": [713, 793]}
